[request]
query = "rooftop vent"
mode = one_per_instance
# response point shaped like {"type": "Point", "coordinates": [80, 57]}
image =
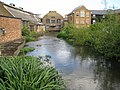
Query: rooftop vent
{"type": "Point", "coordinates": [20, 8]}
{"type": "Point", "coordinates": [12, 4]}
{"type": "Point", "coordinates": [52, 11]}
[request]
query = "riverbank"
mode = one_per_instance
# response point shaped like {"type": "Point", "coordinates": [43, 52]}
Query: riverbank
{"type": "Point", "coordinates": [103, 36]}
{"type": "Point", "coordinates": [29, 72]}
{"type": "Point", "coordinates": [12, 48]}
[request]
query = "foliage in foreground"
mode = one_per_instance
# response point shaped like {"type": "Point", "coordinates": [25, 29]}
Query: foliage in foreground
{"type": "Point", "coordinates": [28, 73]}
{"type": "Point", "coordinates": [104, 36]}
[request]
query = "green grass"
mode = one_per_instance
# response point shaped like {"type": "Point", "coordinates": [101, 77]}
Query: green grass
{"type": "Point", "coordinates": [28, 73]}
{"type": "Point", "coordinates": [25, 50]}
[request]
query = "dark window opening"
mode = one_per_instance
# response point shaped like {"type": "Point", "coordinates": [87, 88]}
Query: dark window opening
{"type": "Point", "coordinates": [58, 20]}
{"type": "Point", "coordinates": [48, 21]}
{"type": "Point", "coordinates": [25, 23]}
{"type": "Point", "coordinates": [31, 27]}
{"type": "Point", "coordinates": [52, 21]}
{"type": "Point", "coordinates": [2, 31]}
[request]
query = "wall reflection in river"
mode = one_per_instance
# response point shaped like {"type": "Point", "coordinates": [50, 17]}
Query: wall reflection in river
{"type": "Point", "coordinates": [81, 67]}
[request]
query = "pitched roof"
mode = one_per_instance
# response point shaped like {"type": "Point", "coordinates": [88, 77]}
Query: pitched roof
{"type": "Point", "coordinates": [75, 9]}
{"type": "Point", "coordinates": [99, 12]}
{"type": "Point", "coordinates": [117, 11]}
{"type": "Point", "coordinates": [53, 13]}
{"type": "Point", "coordinates": [19, 13]}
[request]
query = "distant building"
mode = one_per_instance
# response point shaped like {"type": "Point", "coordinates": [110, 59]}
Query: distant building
{"type": "Point", "coordinates": [97, 15]}
{"type": "Point", "coordinates": [53, 21]}
{"type": "Point", "coordinates": [65, 20]}
{"type": "Point", "coordinates": [29, 19]}
{"type": "Point", "coordinates": [80, 16]}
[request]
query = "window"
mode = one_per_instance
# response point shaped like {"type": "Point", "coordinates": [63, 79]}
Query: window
{"type": "Point", "coordinates": [52, 17]}
{"type": "Point", "coordinates": [82, 22]}
{"type": "Point", "coordinates": [87, 14]}
{"type": "Point", "coordinates": [77, 13]}
{"type": "Point", "coordinates": [82, 13]}
{"type": "Point", "coordinates": [31, 27]}
{"type": "Point", "coordinates": [47, 27]}
{"type": "Point", "coordinates": [58, 26]}
{"type": "Point", "coordinates": [94, 15]}
{"type": "Point", "coordinates": [77, 21]}
{"type": "Point", "coordinates": [58, 20]}
{"type": "Point", "coordinates": [94, 21]}
{"type": "Point", "coordinates": [25, 23]}
{"type": "Point", "coordinates": [52, 21]}
{"type": "Point", "coordinates": [47, 21]}
{"type": "Point", "coordinates": [2, 31]}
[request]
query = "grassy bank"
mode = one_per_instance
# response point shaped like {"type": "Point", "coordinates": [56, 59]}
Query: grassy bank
{"type": "Point", "coordinates": [104, 36]}
{"type": "Point", "coordinates": [28, 73]}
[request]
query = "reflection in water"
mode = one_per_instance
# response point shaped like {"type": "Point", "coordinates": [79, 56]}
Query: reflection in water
{"type": "Point", "coordinates": [81, 67]}
{"type": "Point", "coordinates": [108, 75]}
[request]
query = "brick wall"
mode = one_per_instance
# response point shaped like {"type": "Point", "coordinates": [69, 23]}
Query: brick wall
{"type": "Point", "coordinates": [12, 28]}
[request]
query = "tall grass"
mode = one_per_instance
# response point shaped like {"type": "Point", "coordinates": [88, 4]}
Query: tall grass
{"type": "Point", "coordinates": [28, 73]}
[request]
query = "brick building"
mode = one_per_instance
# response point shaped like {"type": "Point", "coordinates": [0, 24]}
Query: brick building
{"type": "Point", "coordinates": [53, 21]}
{"type": "Point", "coordinates": [80, 16]}
{"type": "Point", "coordinates": [97, 15]}
{"type": "Point", "coordinates": [29, 19]}
{"type": "Point", "coordinates": [10, 29]}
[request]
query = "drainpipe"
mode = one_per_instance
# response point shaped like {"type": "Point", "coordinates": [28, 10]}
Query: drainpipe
{"type": "Point", "coordinates": [0, 52]}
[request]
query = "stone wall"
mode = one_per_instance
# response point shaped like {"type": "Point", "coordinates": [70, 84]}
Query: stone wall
{"type": "Point", "coordinates": [12, 28]}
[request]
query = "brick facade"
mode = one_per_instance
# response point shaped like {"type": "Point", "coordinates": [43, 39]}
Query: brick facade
{"type": "Point", "coordinates": [53, 21]}
{"type": "Point", "coordinates": [12, 28]}
{"type": "Point", "coordinates": [80, 16]}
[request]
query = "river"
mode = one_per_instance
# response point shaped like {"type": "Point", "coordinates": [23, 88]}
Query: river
{"type": "Point", "coordinates": [80, 67]}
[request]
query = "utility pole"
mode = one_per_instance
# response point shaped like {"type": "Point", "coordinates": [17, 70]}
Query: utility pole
{"type": "Point", "coordinates": [104, 2]}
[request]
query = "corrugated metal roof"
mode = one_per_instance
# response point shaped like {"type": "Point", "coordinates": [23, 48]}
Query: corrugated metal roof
{"type": "Point", "coordinates": [117, 11]}
{"type": "Point", "coordinates": [99, 12]}
{"type": "Point", "coordinates": [18, 13]}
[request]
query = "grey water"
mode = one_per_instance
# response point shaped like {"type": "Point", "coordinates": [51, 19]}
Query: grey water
{"type": "Point", "coordinates": [81, 67]}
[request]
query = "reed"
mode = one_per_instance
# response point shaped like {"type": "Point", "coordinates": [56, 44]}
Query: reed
{"type": "Point", "coordinates": [28, 73]}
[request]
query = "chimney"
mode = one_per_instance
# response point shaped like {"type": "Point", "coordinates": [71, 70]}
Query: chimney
{"type": "Point", "coordinates": [12, 4]}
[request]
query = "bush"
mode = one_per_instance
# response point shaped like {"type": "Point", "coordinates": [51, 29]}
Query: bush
{"type": "Point", "coordinates": [25, 50]}
{"type": "Point", "coordinates": [29, 35]}
{"type": "Point", "coordinates": [104, 36]}
{"type": "Point", "coordinates": [28, 73]}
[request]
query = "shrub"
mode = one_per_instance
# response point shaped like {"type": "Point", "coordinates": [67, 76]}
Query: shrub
{"type": "Point", "coordinates": [28, 73]}
{"type": "Point", "coordinates": [29, 35]}
{"type": "Point", "coordinates": [25, 50]}
{"type": "Point", "coordinates": [104, 36]}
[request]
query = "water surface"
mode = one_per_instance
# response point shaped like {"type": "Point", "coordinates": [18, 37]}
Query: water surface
{"type": "Point", "coordinates": [80, 67]}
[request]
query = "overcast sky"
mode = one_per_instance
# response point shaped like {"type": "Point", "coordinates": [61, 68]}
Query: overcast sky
{"type": "Point", "coordinates": [61, 6]}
